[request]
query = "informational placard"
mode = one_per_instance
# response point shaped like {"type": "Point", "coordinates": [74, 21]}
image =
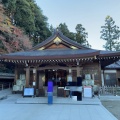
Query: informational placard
{"type": "Point", "coordinates": [69, 79]}
{"type": "Point", "coordinates": [34, 83]}
{"type": "Point", "coordinates": [87, 91]}
{"type": "Point", "coordinates": [28, 91]}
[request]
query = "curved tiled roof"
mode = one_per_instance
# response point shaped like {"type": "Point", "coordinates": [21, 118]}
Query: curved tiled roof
{"type": "Point", "coordinates": [52, 52]}
{"type": "Point", "coordinates": [107, 53]}
{"type": "Point", "coordinates": [115, 65]}
{"type": "Point", "coordinates": [58, 33]}
{"type": "Point", "coordinates": [59, 53]}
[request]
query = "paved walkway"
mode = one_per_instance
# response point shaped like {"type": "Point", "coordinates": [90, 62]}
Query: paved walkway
{"type": "Point", "coordinates": [59, 100]}
{"type": "Point", "coordinates": [87, 109]}
{"type": "Point", "coordinates": [114, 98]}
{"type": "Point", "coordinates": [4, 93]}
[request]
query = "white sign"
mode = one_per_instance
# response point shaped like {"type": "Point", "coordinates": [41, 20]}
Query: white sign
{"type": "Point", "coordinates": [69, 78]}
{"type": "Point", "coordinates": [28, 91]}
{"type": "Point", "coordinates": [87, 91]}
{"type": "Point", "coordinates": [33, 83]}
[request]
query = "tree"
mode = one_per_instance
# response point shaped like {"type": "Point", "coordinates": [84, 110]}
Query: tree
{"type": "Point", "coordinates": [23, 16]}
{"type": "Point", "coordinates": [111, 33]}
{"type": "Point", "coordinates": [64, 29]}
{"type": "Point", "coordinates": [81, 35]}
{"type": "Point", "coordinates": [51, 29]}
{"type": "Point", "coordinates": [41, 26]}
{"type": "Point", "coordinates": [27, 15]}
{"type": "Point", "coordinates": [12, 38]}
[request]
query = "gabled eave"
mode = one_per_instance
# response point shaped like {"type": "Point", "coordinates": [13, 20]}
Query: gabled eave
{"type": "Point", "coordinates": [65, 39]}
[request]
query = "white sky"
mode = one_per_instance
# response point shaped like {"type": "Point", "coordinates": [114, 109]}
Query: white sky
{"type": "Point", "coordinates": [90, 13]}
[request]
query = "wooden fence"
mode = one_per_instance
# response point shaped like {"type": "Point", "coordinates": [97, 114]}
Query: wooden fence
{"type": "Point", "coordinates": [109, 90]}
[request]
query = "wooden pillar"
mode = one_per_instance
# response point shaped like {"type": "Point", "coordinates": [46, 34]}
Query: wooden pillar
{"type": "Point", "coordinates": [35, 78]}
{"type": "Point", "coordinates": [99, 72]}
{"type": "Point", "coordinates": [16, 74]}
{"type": "Point", "coordinates": [117, 76]}
{"type": "Point", "coordinates": [27, 76]}
{"type": "Point", "coordinates": [70, 74]}
{"type": "Point", "coordinates": [78, 71]}
{"type": "Point", "coordinates": [40, 81]}
{"type": "Point", "coordinates": [102, 77]}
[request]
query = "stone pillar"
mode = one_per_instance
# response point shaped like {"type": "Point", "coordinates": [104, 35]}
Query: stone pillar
{"type": "Point", "coordinates": [27, 76]}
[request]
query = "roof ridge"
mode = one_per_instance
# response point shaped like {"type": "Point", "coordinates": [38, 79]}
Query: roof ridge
{"type": "Point", "coordinates": [57, 32]}
{"type": "Point", "coordinates": [74, 42]}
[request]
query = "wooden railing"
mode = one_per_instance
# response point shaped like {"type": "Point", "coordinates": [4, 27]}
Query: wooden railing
{"type": "Point", "coordinates": [5, 85]}
{"type": "Point", "coordinates": [109, 90]}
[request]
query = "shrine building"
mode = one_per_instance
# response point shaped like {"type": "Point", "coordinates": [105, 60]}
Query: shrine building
{"type": "Point", "coordinates": [59, 58]}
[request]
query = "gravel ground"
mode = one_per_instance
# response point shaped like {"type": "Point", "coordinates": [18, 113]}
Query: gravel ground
{"type": "Point", "coordinates": [113, 107]}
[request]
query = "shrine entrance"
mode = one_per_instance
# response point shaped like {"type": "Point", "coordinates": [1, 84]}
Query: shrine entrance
{"type": "Point", "coordinates": [58, 77]}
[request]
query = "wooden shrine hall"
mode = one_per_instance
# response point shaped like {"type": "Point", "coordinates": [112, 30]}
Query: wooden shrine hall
{"type": "Point", "coordinates": [59, 58]}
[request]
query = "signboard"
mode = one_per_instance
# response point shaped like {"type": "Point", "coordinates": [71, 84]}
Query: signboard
{"type": "Point", "coordinates": [69, 78]}
{"type": "Point", "coordinates": [28, 91]}
{"type": "Point", "coordinates": [34, 83]}
{"type": "Point", "coordinates": [87, 91]}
